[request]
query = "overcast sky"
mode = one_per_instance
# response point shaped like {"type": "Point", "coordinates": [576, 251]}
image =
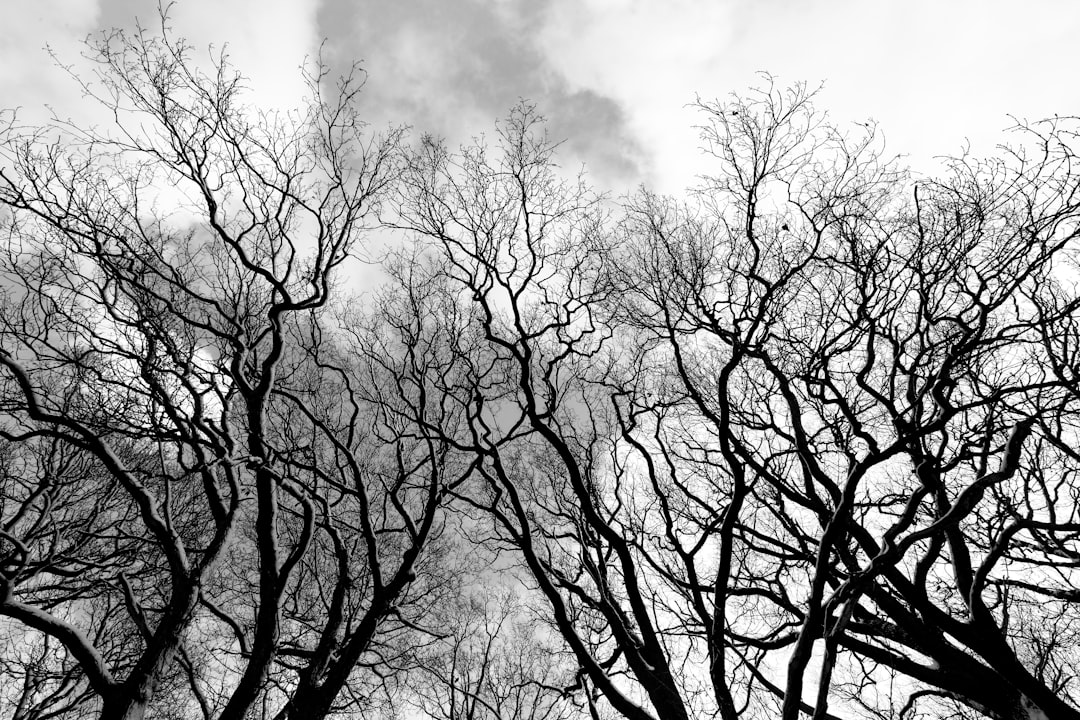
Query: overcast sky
{"type": "Point", "coordinates": [613, 76]}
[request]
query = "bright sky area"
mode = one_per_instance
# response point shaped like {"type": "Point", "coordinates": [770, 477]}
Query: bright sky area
{"type": "Point", "coordinates": [613, 76]}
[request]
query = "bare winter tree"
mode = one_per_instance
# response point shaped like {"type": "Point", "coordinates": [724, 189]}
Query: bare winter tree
{"type": "Point", "coordinates": [206, 504]}
{"type": "Point", "coordinates": [800, 446]}
{"type": "Point", "coordinates": [884, 380]}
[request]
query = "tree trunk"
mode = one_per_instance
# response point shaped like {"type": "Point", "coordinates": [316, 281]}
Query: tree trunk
{"type": "Point", "coordinates": [309, 701]}
{"type": "Point", "coordinates": [1025, 709]}
{"type": "Point", "coordinates": [1009, 704]}
{"type": "Point", "coordinates": [124, 706]}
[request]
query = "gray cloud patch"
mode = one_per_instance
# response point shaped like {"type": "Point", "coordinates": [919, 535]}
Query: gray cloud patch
{"type": "Point", "coordinates": [582, 117]}
{"type": "Point", "coordinates": [454, 67]}
{"type": "Point", "coordinates": [124, 14]}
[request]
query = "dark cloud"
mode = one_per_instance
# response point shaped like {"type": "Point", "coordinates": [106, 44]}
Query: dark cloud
{"type": "Point", "coordinates": [453, 68]}
{"type": "Point", "coordinates": [595, 130]}
{"type": "Point", "coordinates": [125, 14]}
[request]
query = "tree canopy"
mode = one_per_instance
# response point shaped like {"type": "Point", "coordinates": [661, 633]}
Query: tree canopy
{"type": "Point", "coordinates": [801, 443]}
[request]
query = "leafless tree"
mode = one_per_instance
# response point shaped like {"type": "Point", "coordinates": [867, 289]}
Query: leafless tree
{"type": "Point", "coordinates": [819, 418]}
{"type": "Point", "coordinates": [801, 444]}
{"type": "Point", "coordinates": [206, 501]}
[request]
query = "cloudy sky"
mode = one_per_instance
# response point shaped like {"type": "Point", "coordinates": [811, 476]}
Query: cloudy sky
{"type": "Point", "coordinates": [613, 76]}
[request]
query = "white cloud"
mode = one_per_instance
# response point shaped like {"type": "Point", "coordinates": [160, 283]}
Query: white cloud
{"type": "Point", "coordinates": [29, 78]}
{"type": "Point", "coordinates": [651, 57]}
{"type": "Point", "coordinates": [932, 73]}
{"type": "Point", "coordinates": [268, 40]}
